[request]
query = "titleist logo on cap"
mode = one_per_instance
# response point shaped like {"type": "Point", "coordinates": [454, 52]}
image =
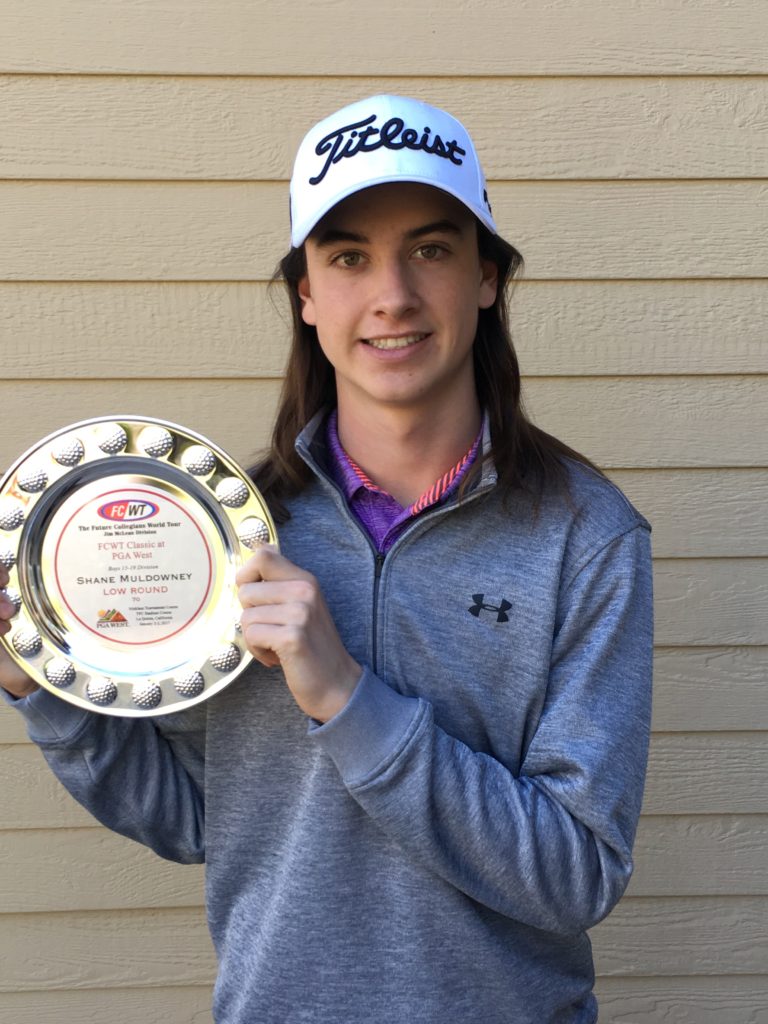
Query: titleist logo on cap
{"type": "Point", "coordinates": [363, 137]}
{"type": "Point", "coordinates": [395, 139]}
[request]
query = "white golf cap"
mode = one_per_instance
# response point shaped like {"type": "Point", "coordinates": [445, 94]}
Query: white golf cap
{"type": "Point", "coordinates": [380, 140]}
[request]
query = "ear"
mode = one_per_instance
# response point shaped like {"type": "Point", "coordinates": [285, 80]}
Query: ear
{"type": "Point", "coordinates": [307, 303]}
{"type": "Point", "coordinates": [489, 284]}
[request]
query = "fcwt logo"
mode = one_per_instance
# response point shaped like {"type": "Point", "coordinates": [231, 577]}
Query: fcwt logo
{"type": "Point", "coordinates": [480, 606]}
{"type": "Point", "coordinates": [125, 511]}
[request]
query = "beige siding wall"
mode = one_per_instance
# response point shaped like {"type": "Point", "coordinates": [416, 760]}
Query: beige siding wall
{"type": "Point", "coordinates": [144, 152]}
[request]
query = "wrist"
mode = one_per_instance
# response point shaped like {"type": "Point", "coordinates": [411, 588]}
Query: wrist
{"type": "Point", "coordinates": [336, 697]}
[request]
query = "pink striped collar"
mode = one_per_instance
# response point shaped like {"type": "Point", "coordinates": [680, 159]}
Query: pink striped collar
{"type": "Point", "coordinates": [352, 477]}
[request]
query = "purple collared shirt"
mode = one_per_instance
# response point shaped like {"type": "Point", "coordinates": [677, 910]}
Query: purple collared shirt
{"type": "Point", "coordinates": [381, 515]}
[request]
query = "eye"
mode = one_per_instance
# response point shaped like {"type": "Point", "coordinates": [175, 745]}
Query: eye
{"type": "Point", "coordinates": [430, 251]}
{"type": "Point", "coordinates": [347, 259]}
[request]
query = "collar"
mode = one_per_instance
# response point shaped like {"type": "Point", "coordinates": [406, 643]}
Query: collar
{"type": "Point", "coordinates": [312, 447]}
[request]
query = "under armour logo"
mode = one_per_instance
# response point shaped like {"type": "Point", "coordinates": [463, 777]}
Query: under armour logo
{"type": "Point", "coordinates": [481, 606]}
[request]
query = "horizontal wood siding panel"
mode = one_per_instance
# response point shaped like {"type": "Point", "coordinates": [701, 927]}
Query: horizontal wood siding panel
{"type": "Point", "coordinates": [190, 1005]}
{"type": "Point", "coordinates": [717, 855]}
{"type": "Point", "coordinates": [659, 422]}
{"type": "Point", "coordinates": [172, 330]}
{"type": "Point", "coordinates": [12, 729]}
{"type": "Point", "coordinates": [577, 328]}
{"type": "Point", "coordinates": [711, 1000]}
{"type": "Point", "coordinates": [683, 936]}
{"type": "Point", "coordinates": [710, 689]}
{"type": "Point", "coordinates": [706, 773]}
{"type": "Point", "coordinates": [711, 602]}
{"type": "Point", "coordinates": [663, 422]}
{"type": "Point", "coordinates": [707, 689]}
{"type": "Point", "coordinates": [701, 512]}
{"type": "Point", "coordinates": [689, 773]}
{"type": "Point", "coordinates": [31, 796]}
{"type": "Point", "coordinates": [101, 127]}
{"type": "Point", "coordinates": [595, 37]}
{"type": "Point", "coordinates": [237, 231]}
{"type": "Point", "coordinates": [90, 869]}
{"type": "Point", "coordinates": [221, 329]}
{"type": "Point", "coordinates": [103, 949]}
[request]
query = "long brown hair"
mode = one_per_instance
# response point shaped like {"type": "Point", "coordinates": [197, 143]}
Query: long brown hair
{"type": "Point", "coordinates": [524, 455]}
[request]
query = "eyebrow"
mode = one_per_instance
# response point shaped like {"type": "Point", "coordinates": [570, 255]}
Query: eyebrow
{"type": "Point", "coordinates": [437, 227]}
{"type": "Point", "coordinates": [332, 236]}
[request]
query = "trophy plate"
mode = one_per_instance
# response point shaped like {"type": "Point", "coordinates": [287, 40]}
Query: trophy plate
{"type": "Point", "coordinates": [122, 536]}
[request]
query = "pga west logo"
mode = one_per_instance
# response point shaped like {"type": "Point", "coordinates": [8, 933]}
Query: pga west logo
{"type": "Point", "coordinates": [124, 510]}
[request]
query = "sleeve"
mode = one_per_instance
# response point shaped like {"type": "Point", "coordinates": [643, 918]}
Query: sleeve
{"type": "Point", "coordinates": [139, 777]}
{"type": "Point", "coordinates": [550, 847]}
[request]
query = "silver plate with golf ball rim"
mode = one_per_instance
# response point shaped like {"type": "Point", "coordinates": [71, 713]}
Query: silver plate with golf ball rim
{"type": "Point", "coordinates": [122, 536]}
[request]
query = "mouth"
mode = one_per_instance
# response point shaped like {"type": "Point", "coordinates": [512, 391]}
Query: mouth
{"type": "Point", "coordinates": [403, 341]}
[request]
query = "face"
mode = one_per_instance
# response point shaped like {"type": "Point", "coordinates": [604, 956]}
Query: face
{"type": "Point", "coordinates": [393, 286]}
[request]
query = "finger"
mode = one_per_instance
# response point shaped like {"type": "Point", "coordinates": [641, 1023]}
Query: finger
{"type": "Point", "coordinates": [259, 645]}
{"type": "Point", "coordinates": [268, 564]}
{"type": "Point", "coordinates": [5, 576]}
{"type": "Point", "coordinates": [264, 640]}
{"type": "Point", "coordinates": [265, 657]}
{"type": "Point", "coordinates": [252, 595]}
{"type": "Point", "coordinates": [251, 571]}
{"type": "Point", "coordinates": [291, 613]}
{"type": "Point", "coordinates": [247, 573]}
{"type": "Point", "coordinates": [7, 608]}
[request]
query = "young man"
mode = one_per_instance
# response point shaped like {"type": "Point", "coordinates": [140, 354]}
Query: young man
{"type": "Point", "coordinates": [427, 788]}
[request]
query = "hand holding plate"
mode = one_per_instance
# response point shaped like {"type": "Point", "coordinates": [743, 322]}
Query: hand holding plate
{"type": "Point", "coordinates": [287, 622]}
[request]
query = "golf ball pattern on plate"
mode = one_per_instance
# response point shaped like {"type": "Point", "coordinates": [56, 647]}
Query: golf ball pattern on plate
{"type": "Point", "coordinates": [27, 642]}
{"type": "Point", "coordinates": [232, 492]}
{"type": "Point", "coordinates": [60, 672]}
{"type": "Point", "coordinates": [113, 439]}
{"type": "Point", "coordinates": [147, 695]}
{"type": "Point", "coordinates": [156, 442]}
{"type": "Point", "coordinates": [101, 691]}
{"type": "Point", "coordinates": [198, 460]}
{"type": "Point", "coordinates": [226, 658]}
{"type": "Point", "coordinates": [33, 480]}
{"type": "Point", "coordinates": [190, 685]}
{"type": "Point", "coordinates": [68, 452]}
{"type": "Point", "coordinates": [253, 532]}
{"type": "Point", "coordinates": [11, 514]}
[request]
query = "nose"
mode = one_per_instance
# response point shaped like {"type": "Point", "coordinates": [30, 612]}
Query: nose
{"type": "Point", "coordinates": [395, 294]}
